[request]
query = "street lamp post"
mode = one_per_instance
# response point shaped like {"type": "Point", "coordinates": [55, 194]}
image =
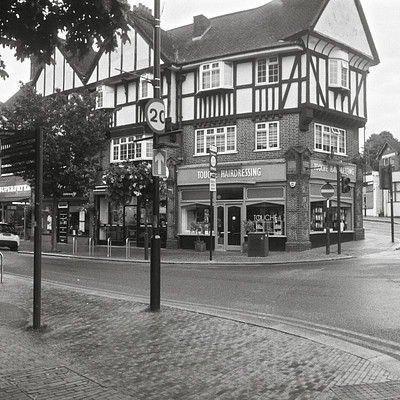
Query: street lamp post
{"type": "Point", "coordinates": [156, 238]}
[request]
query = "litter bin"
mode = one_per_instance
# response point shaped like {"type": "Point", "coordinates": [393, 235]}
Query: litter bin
{"type": "Point", "coordinates": [258, 244]}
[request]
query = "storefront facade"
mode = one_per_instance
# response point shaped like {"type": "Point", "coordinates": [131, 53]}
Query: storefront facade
{"type": "Point", "coordinates": [247, 191]}
{"type": "Point", "coordinates": [15, 195]}
{"type": "Point", "coordinates": [261, 192]}
{"type": "Point", "coordinates": [120, 223]}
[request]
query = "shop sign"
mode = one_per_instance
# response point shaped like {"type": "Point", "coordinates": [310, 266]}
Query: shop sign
{"type": "Point", "coordinates": [15, 189]}
{"type": "Point", "coordinates": [232, 173]}
{"type": "Point", "coordinates": [251, 174]}
{"type": "Point", "coordinates": [326, 171]}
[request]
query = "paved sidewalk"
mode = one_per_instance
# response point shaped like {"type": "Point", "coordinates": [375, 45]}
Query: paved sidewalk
{"type": "Point", "coordinates": [95, 346]}
{"type": "Point", "coordinates": [370, 245]}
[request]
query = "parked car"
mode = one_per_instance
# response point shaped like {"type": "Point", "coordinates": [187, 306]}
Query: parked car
{"type": "Point", "coordinates": [8, 236]}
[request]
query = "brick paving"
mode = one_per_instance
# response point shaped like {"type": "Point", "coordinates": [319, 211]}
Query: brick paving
{"type": "Point", "coordinates": [99, 347]}
{"type": "Point", "coordinates": [95, 347]}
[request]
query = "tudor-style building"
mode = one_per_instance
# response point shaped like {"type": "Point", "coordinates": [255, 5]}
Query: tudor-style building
{"type": "Point", "coordinates": [279, 89]}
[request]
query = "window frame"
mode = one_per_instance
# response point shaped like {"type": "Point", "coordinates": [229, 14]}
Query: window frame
{"type": "Point", "coordinates": [146, 89]}
{"type": "Point", "coordinates": [104, 97]}
{"type": "Point", "coordinates": [265, 127]}
{"type": "Point", "coordinates": [269, 72]}
{"type": "Point", "coordinates": [126, 149]}
{"type": "Point", "coordinates": [225, 138]}
{"type": "Point", "coordinates": [220, 69]}
{"type": "Point", "coordinates": [338, 73]}
{"type": "Point", "coordinates": [328, 137]}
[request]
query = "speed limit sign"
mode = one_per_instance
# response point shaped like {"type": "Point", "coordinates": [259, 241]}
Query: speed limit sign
{"type": "Point", "coordinates": [155, 115]}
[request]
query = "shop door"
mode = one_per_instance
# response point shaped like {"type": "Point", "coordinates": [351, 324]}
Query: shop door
{"type": "Point", "coordinates": [229, 227]}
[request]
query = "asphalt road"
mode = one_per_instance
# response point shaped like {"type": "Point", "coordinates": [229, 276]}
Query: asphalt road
{"type": "Point", "coordinates": [353, 297]}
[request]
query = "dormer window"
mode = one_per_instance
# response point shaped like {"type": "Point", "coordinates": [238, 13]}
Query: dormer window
{"type": "Point", "coordinates": [338, 73]}
{"type": "Point", "coordinates": [146, 87]}
{"type": "Point", "coordinates": [216, 75]}
{"type": "Point", "coordinates": [105, 97]}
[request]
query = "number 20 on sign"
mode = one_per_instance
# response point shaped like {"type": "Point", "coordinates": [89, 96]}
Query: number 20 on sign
{"type": "Point", "coordinates": [155, 115]}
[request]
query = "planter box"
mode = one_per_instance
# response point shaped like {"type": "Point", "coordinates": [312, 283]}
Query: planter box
{"type": "Point", "coordinates": [199, 245]}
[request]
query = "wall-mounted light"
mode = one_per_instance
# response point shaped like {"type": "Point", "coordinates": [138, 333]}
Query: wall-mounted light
{"type": "Point", "coordinates": [292, 184]}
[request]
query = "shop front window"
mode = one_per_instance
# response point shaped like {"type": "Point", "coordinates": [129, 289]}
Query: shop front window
{"type": "Point", "coordinates": [78, 221]}
{"type": "Point", "coordinates": [321, 216]}
{"type": "Point", "coordinates": [266, 217]}
{"type": "Point", "coordinates": [196, 219]}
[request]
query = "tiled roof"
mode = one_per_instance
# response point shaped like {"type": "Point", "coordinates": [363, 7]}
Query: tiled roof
{"type": "Point", "coordinates": [256, 29]}
{"type": "Point", "coordinates": [277, 23]}
{"type": "Point", "coordinates": [393, 144]}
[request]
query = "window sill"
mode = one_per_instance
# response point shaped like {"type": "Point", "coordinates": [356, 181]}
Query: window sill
{"type": "Point", "coordinates": [267, 150]}
{"type": "Point", "coordinates": [207, 154]}
{"type": "Point", "coordinates": [216, 90]}
{"type": "Point", "coordinates": [328, 152]}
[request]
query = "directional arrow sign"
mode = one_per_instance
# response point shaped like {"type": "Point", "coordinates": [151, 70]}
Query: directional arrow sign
{"type": "Point", "coordinates": [159, 167]}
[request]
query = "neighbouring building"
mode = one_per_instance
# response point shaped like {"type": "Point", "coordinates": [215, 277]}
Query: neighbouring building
{"type": "Point", "coordinates": [280, 90]}
{"type": "Point", "coordinates": [389, 157]}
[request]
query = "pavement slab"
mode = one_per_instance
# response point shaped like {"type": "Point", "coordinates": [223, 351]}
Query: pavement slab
{"type": "Point", "coordinates": [97, 347]}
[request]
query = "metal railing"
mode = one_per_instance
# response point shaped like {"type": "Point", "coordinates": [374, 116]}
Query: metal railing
{"type": "Point", "coordinates": [91, 246]}
{"type": "Point", "coordinates": [109, 247]}
{"type": "Point", "coordinates": [1, 267]}
{"type": "Point", "coordinates": [127, 248]}
{"type": "Point", "coordinates": [74, 246]}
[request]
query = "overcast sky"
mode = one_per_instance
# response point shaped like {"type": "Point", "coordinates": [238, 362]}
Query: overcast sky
{"type": "Point", "coordinates": [383, 17]}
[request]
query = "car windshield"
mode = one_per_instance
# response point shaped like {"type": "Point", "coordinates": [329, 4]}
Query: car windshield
{"type": "Point", "coordinates": [6, 229]}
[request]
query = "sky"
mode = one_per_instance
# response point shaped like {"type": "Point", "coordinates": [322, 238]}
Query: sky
{"type": "Point", "coordinates": [383, 82]}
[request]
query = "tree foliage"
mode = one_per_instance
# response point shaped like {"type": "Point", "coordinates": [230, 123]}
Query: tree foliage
{"type": "Point", "coordinates": [373, 145]}
{"type": "Point", "coordinates": [129, 179]}
{"type": "Point", "coordinates": [74, 134]}
{"type": "Point", "coordinates": [32, 28]}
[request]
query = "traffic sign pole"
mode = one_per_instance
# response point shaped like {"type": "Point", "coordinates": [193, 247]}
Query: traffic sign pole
{"type": "Point", "coordinates": [327, 191]}
{"type": "Point", "coordinates": [213, 188]}
{"type": "Point", "coordinates": [155, 257]}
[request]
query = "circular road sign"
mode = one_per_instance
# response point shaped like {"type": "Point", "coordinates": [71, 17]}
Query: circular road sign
{"type": "Point", "coordinates": [213, 160]}
{"type": "Point", "coordinates": [327, 190]}
{"type": "Point", "coordinates": [155, 115]}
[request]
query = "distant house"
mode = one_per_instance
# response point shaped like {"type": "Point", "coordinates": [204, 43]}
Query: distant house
{"type": "Point", "coordinates": [389, 157]}
{"type": "Point", "coordinates": [280, 90]}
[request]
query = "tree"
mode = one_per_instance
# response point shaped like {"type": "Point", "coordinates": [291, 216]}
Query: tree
{"type": "Point", "coordinates": [74, 134]}
{"type": "Point", "coordinates": [373, 145]}
{"type": "Point", "coordinates": [131, 179]}
{"type": "Point", "coordinates": [32, 28]}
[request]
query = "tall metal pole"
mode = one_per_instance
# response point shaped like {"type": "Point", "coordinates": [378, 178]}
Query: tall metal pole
{"type": "Point", "coordinates": [339, 190]}
{"type": "Point", "coordinates": [391, 201]}
{"type": "Point", "coordinates": [156, 238]}
{"type": "Point", "coordinates": [37, 258]}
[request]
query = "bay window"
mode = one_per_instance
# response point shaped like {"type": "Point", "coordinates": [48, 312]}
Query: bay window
{"type": "Point", "coordinates": [338, 73]}
{"type": "Point", "coordinates": [216, 75]}
{"type": "Point", "coordinates": [145, 87]}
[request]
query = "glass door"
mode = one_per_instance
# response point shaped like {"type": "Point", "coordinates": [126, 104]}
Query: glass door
{"type": "Point", "coordinates": [229, 227]}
